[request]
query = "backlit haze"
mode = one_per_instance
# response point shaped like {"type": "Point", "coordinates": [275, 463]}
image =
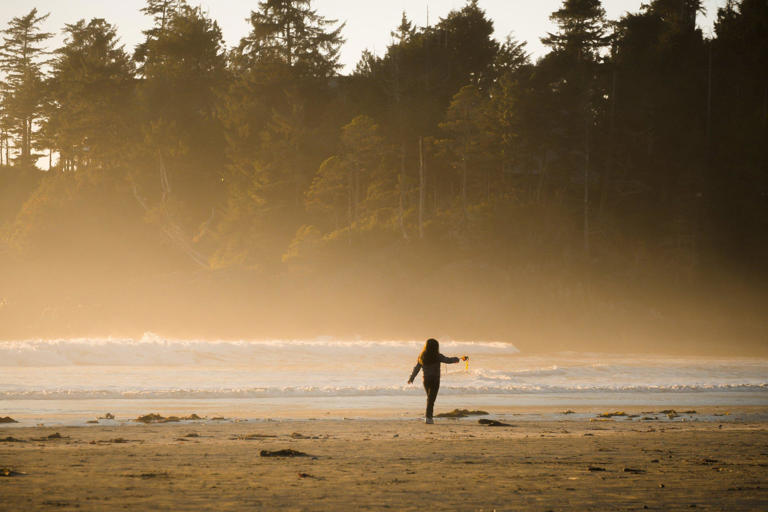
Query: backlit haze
{"type": "Point", "coordinates": [546, 197]}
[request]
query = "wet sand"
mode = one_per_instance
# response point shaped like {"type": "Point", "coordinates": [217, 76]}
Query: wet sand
{"type": "Point", "coordinates": [563, 464]}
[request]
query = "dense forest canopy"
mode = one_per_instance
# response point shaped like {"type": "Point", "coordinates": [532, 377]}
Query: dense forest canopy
{"type": "Point", "coordinates": [612, 194]}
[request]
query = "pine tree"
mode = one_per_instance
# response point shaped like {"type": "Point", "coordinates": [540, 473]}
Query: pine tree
{"type": "Point", "coordinates": [182, 65]}
{"type": "Point", "coordinates": [466, 125]}
{"type": "Point", "coordinates": [279, 127]}
{"type": "Point", "coordinates": [355, 190]}
{"type": "Point", "coordinates": [574, 67]}
{"type": "Point", "coordinates": [91, 87]}
{"type": "Point", "coordinates": [292, 33]}
{"type": "Point", "coordinates": [21, 59]}
{"type": "Point", "coordinates": [581, 29]}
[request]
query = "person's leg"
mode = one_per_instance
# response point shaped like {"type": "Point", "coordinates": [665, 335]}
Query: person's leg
{"type": "Point", "coordinates": [432, 386]}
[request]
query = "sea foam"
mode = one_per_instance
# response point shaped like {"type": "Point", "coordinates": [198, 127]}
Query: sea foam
{"type": "Point", "coordinates": [155, 367]}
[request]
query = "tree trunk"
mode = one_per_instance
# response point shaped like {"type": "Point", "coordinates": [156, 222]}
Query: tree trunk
{"type": "Point", "coordinates": [542, 178]}
{"type": "Point", "coordinates": [401, 206]}
{"type": "Point", "coordinates": [464, 185]}
{"type": "Point", "coordinates": [29, 138]}
{"type": "Point", "coordinates": [350, 207]}
{"type": "Point", "coordinates": [586, 191]}
{"type": "Point", "coordinates": [355, 194]}
{"type": "Point", "coordinates": [605, 182]}
{"type": "Point", "coordinates": [422, 184]}
{"type": "Point", "coordinates": [488, 186]}
{"type": "Point", "coordinates": [23, 139]}
{"type": "Point", "coordinates": [709, 98]}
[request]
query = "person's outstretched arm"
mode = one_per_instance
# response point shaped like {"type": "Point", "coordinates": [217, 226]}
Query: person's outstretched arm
{"type": "Point", "coordinates": [451, 360]}
{"type": "Point", "coordinates": [414, 373]}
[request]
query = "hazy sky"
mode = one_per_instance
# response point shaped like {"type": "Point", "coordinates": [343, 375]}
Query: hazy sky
{"type": "Point", "coordinates": [369, 22]}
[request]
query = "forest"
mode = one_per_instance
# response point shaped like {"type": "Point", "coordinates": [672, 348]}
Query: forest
{"type": "Point", "coordinates": [612, 193]}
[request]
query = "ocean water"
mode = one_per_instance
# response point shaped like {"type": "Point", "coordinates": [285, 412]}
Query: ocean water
{"type": "Point", "coordinates": [77, 379]}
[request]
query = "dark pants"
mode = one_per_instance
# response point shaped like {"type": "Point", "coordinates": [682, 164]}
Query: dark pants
{"type": "Point", "coordinates": [431, 386]}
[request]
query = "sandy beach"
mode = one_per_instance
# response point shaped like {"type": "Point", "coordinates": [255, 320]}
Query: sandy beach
{"type": "Point", "coordinates": [559, 463]}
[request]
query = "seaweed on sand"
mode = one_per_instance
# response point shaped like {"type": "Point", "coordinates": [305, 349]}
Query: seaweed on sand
{"type": "Point", "coordinates": [156, 418]}
{"type": "Point", "coordinates": [283, 453]}
{"type": "Point", "coordinates": [461, 413]}
{"type": "Point", "coordinates": [493, 423]}
{"type": "Point", "coordinates": [611, 414]}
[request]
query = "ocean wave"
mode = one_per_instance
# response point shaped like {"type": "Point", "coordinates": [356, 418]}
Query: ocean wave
{"type": "Point", "coordinates": [154, 350]}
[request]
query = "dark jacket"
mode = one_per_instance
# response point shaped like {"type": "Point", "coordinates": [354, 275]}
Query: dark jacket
{"type": "Point", "coordinates": [433, 370]}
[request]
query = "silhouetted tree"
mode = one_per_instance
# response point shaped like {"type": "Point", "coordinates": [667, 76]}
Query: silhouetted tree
{"type": "Point", "coordinates": [21, 60]}
{"type": "Point", "coordinates": [183, 67]}
{"type": "Point", "coordinates": [277, 119]}
{"type": "Point", "coordinates": [91, 88]}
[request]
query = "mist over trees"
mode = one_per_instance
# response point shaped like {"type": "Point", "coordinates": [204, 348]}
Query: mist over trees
{"type": "Point", "coordinates": [614, 189]}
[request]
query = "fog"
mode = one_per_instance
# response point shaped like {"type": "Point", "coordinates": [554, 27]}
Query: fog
{"type": "Point", "coordinates": [598, 199]}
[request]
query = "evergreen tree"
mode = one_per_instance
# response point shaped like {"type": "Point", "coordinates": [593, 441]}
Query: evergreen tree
{"type": "Point", "coordinates": [737, 128]}
{"type": "Point", "coordinates": [278, 120]}
{"type": "Point", "coordinates": [21, 60]}
{"type": "Point", "coordinates": [660, 116]}
{"type": "Point", "coordinates": [292, 33]}
{"type": "Point", "coordinates": [572, 68]}
{"type": "Point", "coordinates": [354, 193]}
{"type": "Point", "coordinates": [466, 124]}
{"type": "Point", "coordinates": [183, 68]}
{"type": "Point", "coordinates": [581, 29]}
{"type": "Point", "coordinates": [91, 88]}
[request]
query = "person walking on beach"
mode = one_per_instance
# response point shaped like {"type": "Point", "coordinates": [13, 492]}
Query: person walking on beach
{"type": "Point", "coordinates": [430, 359]}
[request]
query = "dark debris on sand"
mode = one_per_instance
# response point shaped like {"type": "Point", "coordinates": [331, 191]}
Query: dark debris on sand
{"type": "Point", "coordinates": [51, 437]}
{"type": "Point", "coordinates": [156, 418]}
{"type": "Point", "coordinates": [10, 439]}
{"type": "Point", "coordinates": [461, 413]}
{"type": "Point", "coordinates": [10, 472]}
{"type": "Point", "coordinates": [299, 435]}
{"type": "Point", "coordinates": [283, 453]}
{"type": "Point", "coordinates": [493, 423]}
{"type": "Point", "coordinates": [251, 437]}
{"type": "Point", "coordinates": [118, 440]}
{"type": "Point", "coordinates": [162, 474]}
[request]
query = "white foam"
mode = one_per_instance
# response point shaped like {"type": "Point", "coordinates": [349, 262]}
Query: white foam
{"type": "Point", "coordinates": [154, 350]}
{"type": "Point", "coordinates": [156, 367]}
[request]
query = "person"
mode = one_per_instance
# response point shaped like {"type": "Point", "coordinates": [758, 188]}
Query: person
{"type": "Point", "coordinates": [429, 360]}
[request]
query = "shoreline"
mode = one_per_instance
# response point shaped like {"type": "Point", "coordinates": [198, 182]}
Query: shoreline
{"type": "Point", "coordinates": [79, 412]}
{"type": "Point", "coordinates": [120, 416]}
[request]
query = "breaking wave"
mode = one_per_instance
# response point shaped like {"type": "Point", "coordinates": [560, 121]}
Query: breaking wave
{"type": "Point", "coordinates": [154, 350]}
{"type": "Point", "coordinates": [153, 367]}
